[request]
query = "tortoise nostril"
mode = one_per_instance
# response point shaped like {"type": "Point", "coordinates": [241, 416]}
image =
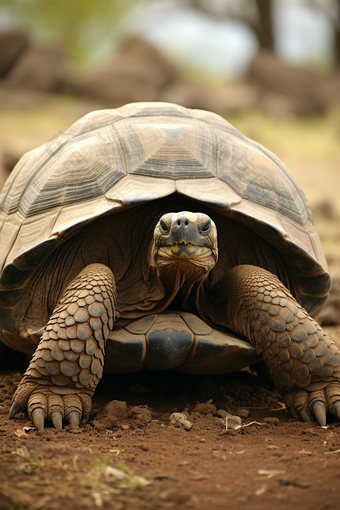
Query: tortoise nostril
{"type": "Point", "coordinates": [182, 222]}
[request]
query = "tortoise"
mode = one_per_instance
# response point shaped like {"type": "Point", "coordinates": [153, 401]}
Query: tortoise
{"type": "Point", "coordinates": [160, 237]}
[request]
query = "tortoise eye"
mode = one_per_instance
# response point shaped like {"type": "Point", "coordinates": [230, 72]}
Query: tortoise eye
{"type": "Point", "coordinates": [163, 227]}
{"type": "Point", "coordinates": [206, 228]}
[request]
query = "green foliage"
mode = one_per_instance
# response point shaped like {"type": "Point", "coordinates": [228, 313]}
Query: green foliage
{"type": "Point", "coordinates": [100, 467]}
{"type": "Point", "coordinates": [124, 469]}
{"type": "Point", "coordinates": [81, 25]}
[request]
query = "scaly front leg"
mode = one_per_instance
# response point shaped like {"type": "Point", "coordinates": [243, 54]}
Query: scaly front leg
{"type": "Point", "coordinates": [303, 361]}
{"type": "Point", "coordinates": [68, 362]}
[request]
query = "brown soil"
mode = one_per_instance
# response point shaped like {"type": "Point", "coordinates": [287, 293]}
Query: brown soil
{"type": "Point", "coordinates": [273, 462]}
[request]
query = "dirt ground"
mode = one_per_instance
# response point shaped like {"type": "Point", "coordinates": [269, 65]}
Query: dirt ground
{"type": "Point", "coordinates": [134, 453]}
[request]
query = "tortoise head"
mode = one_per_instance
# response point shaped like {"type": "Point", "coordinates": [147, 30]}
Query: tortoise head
{"type": "Point", "coordinates": [187, 238]}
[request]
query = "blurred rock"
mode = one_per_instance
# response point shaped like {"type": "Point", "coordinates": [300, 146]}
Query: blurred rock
{"type": "Point", "coordinates": [230, 99]}
{"type": "Point", "coordinates": [144, 51]}
{"type": "Point", "coordinates": [324, 210]}
{"type": "Point", "coordinates": [9, 160]}
{"type": "Point", "coordinates": [138, 73]}
{"type": "Point", "coordinates": [291, 89]}
{"type": "Point", "coordinates": [42, 68]}
{"type": "Point", "coordinates": [3, 175]}
{"type": "Point", "coordinates": [116, 85]}
{"type": "Point", "coordinates": [278, 104]}
{"type": "Point", "coordinates": [21, 98]}
{"type": "Point", "coordinates": [330, 89]}
{"type": "Point", "coordinates": [12, 45]}
{"type": "Point", "coordinates": [330, 315]}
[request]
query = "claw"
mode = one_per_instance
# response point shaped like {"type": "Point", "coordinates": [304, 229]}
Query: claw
{"type": "Point", "coordinates": [57, 420]}
{"type": "Point", "coordinates": [38, 417]}
{"type": "Point", "coordinates": [294, 414]}
{"type": "Point", "coordinates": [15, 409]}
{"type": "Point", "coordinates": [306, 415]}
{"type": "Point", "coordinates": [319, 409]}
{"type": "Point", "coordinates": [336, 409]}
{"type": "Point", "coordinates": [74, 419]}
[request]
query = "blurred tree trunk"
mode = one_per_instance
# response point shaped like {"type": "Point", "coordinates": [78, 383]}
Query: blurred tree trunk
{"type": "Point", "coordinates": [265, 28]}
{"type": "Point", "coordinates": [257, 14]}
{"type": "Point", "coordinates": [337, 37]}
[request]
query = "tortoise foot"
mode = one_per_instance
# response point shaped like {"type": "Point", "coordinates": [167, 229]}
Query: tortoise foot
{"type": "Point", "coordinates": [68, 362]}
{"type": "Point", "coordinates": [307, 404]}
{"type": "Point", "coordinates": [51, 403]}
{"type": "Point", "coordinates": [303, 361]}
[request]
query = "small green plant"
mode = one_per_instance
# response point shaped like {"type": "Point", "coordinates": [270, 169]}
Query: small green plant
{"type": "Point", "coordinates": [132, 479]}
{"type": "Point", "coordinates": [29, 462]}
{"type": "Point", "coordinates": [82, 478]}
{"type": "Point", "coordinates": [100, 467]}
{"type": "Point", "coordinates": [124, 469]}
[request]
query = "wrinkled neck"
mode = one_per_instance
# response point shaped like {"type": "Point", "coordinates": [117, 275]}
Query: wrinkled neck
{"type": "Point", "coordinates": [182, 281]}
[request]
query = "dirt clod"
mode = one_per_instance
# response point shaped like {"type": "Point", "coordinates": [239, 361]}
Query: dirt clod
{"type": "Point", "coordinates": [180, 420]}
{"type": "Point", "coordinates": [112, 415]}
{"type": "Point", "coordinates": [242, 413]}
{"type": "Point", "coordinates": [271, 419]}
{"type": "Point", "coordinates": [141, 415]}
{"type": "Point", "coordinates": [233, 421]}
{"type": "Point", "coordinates": [207, 408]}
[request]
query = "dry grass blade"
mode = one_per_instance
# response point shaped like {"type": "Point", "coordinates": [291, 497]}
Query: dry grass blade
{"type": "Point", "coordinates": [270, 472]}
{"type": "Point", "coordinates": [54, 472]}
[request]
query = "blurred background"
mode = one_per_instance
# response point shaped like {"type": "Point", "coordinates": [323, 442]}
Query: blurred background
{"type": "Point", "coordinates": [271, 67]}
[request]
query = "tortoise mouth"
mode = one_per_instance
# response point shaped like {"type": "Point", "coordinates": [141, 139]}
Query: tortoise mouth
{"type": "Point", "coordinates": [184, 250]}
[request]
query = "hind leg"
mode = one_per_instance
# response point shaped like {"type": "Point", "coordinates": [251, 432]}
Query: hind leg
{"type": "Point", "coordinates": [68, 362]}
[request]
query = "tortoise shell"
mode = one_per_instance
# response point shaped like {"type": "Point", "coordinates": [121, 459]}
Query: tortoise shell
{"type": "Point", "coordinates": [110, 161]}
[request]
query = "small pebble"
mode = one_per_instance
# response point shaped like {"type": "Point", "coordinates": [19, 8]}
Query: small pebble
{"type": "Point", "coordinates": [232, 421]}
{"type": "Point", "coordinates": [180, 420]}
{"type": "Point", "coordinates": [294, 481]}
{"type": "Point", "coordinates": [144, 447]}
{"type": "Point", "coordinates": [242, 413]}
{"type": "Point", "coordinates": [125, 427]}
